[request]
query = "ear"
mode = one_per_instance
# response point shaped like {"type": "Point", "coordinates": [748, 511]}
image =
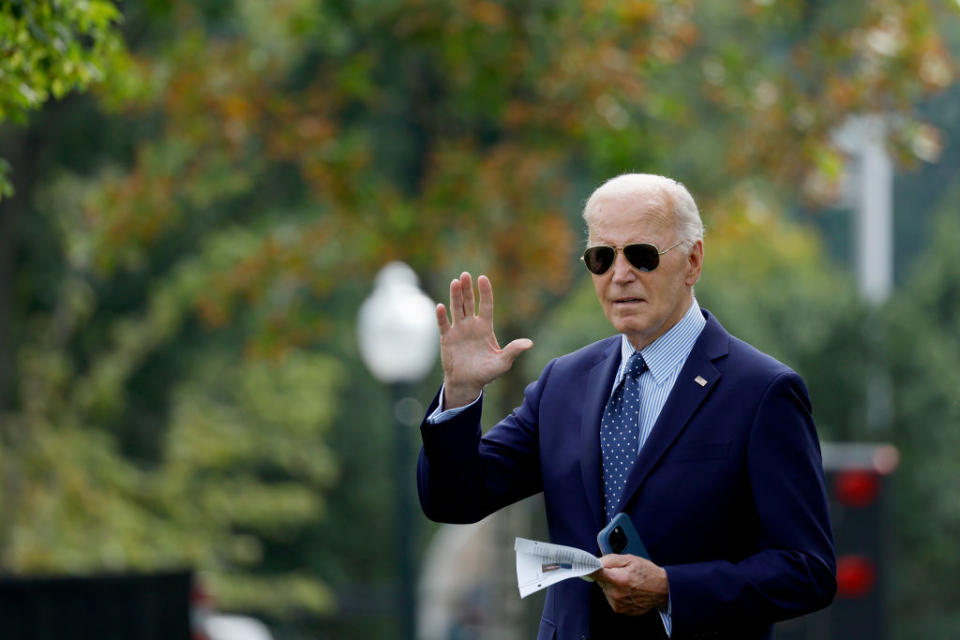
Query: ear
{"type": "Point", "coordinates": [694, 263]}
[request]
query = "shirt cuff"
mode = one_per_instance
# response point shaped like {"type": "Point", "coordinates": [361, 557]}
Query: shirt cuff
{"type": "Point", "coordinates": [667, 616]}
{"type": "Point", "coordinates": [440, 415]}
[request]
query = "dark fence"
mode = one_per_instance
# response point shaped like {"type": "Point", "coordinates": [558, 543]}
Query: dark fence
{"type": "Point", "coordinates": [129, 607]}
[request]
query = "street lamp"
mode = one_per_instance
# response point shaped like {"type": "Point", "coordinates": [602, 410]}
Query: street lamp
{"type": "Point", "coordinates": [398, 339]}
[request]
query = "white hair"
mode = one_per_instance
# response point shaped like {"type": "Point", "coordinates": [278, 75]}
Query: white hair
{"type": "Point", "coordinates": [659, 193]}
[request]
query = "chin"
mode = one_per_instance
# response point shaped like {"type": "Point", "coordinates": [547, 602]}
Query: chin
{"type": "Point", "coordinates": [631, 329]}
{"type": "Point", "coordinates": [631, 322]}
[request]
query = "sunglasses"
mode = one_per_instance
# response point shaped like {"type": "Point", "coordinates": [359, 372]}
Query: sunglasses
{"type": "Point", "coordinates": [645, 257]}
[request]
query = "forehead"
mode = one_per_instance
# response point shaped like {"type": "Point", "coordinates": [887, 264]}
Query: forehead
{"type": "Point", "coordinates": [623, 218]}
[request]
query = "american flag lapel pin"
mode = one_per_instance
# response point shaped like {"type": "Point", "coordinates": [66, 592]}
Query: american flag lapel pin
{"type": "Point", "coordinates": [700, 380]}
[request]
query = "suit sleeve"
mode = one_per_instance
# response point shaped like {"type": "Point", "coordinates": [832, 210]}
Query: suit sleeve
{"type": "Point", "coordinates": [792, 570]}
{"type": "Point", "coordinates": [463, 476]}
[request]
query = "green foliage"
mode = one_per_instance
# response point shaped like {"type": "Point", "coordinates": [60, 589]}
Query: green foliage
{"type": "Point", "coordinates": [232, 463]}
{"type": "Point", "coordinates": [922, 352]}
{"type": "Point", "coordinates": [49, 48]}
{"type": "Point", "coordinates": [244, 461]}
{"type": "Point", "coordinates": [246, 452]}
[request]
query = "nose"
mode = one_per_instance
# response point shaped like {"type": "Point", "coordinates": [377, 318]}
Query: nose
{"type": "Point", "coordinates": [622, 270]}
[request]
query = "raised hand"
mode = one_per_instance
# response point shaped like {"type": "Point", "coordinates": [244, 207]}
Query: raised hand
{"type": "Point", "coordinates": [469, 350]}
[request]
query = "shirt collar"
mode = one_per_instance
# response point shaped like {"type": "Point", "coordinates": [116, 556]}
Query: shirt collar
{"type": "Point", "coordinates": [670, 350]}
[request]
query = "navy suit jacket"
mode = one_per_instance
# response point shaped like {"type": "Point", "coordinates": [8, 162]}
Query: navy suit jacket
{"type": "Point", "coordinates": [727, 493]}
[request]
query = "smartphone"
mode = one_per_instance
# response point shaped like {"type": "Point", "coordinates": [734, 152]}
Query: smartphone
{"type": "Point", "coordinates": [620, 536]}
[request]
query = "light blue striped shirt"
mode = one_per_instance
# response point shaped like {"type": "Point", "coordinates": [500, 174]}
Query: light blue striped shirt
{"type": "Point", "coordinates": [665, 356]}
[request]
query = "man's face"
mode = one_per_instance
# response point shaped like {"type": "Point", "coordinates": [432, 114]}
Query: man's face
{"type": "Point", "coordinates": [642, 304]}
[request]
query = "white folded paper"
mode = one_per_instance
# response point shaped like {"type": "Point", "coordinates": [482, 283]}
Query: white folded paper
{"type": "Point", "coordinates": [541, 564]}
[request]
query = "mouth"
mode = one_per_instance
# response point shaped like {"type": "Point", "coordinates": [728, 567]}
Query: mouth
{"type": "Point", "coordinates": [625, 300]}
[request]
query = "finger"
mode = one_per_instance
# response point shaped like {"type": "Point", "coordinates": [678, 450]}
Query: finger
{"type": "Point", "coordinates": [469, 302]}
{"type": "Point", "coordinates": [443, 322]}
{"type": "Point", "coordinates": [486, 298]}
{"type": "Point", "coordinates": [614, 560]}
{"type": "Point", "coordinates": [600, 577]}
{"type": "Point", "coordinates": [609, 575]}
{"type": "Point", "coordinates": [456, 300]}
{"type": "Point", "coordinates": [516, 347]}
{"type": "Point", "coordinates": [611, 602]}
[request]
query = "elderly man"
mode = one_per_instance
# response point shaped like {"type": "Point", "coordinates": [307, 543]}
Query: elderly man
{"type": "Point", "coordinates": [707, 444]}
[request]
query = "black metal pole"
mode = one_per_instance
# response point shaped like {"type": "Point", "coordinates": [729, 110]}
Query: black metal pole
{"type": "Point", "coordinates": [406, 576]}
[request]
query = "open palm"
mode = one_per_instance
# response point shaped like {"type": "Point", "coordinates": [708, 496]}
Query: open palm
{"type": "Point", "coordinates": [469, 350]}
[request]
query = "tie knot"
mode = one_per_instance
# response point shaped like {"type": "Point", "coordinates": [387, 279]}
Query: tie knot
{"type": "Point", "coordinates": [635, 365]}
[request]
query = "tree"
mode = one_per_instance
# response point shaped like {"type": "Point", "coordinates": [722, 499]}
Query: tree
{"type": "Point", "coordinates": [49, 48]}
{"type": "Point", "coordinates": [921, 329]}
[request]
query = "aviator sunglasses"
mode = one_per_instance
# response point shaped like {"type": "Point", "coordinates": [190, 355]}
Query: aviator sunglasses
{"type": "Point", "coordinates": [645, 257]}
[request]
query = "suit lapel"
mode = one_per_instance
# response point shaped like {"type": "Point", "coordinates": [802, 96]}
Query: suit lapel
{"type": "Point", "coordinates": [598, 383]}
{"type": "Point", "coordinates": [697, 378]}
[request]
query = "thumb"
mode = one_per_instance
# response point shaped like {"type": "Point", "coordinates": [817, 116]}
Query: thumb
{"type": "Point", "coordinates": [516, 347]}
{"type": "Point", "coordinates": [614, 561]}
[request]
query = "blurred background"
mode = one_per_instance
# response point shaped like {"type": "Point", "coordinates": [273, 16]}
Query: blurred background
{"type": "Point", "coordinates": [197, 196]}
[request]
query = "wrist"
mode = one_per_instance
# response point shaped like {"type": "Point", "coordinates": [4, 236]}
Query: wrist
{"type": "Point", "coordinates": [456, 396]}
{"type": "Point", "coordinates": [663, 588]}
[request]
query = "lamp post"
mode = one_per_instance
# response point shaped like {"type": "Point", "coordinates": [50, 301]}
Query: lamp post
{"type": "Point", "coordinates": [870, 195]}
{"type": "Point", "coordinates": [398, 339]}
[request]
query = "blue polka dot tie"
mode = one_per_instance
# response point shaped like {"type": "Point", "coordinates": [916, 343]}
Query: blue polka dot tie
{"type": "Point", "coordinates": [620, 433]}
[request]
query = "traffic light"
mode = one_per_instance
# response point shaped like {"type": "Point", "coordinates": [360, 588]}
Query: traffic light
{"type": "Point", "coordinates": [857, 475]}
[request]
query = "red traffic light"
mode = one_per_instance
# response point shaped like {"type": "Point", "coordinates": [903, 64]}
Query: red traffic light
{"type": "Point", "coordinates": [856, 576]}
{"type": "Point", "coordinates": [856, 487]}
